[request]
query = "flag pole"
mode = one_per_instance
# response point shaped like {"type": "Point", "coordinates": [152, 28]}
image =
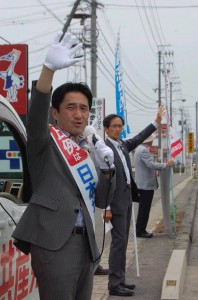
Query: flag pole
{"type": "Point", "coordinates": [135, 241]}
{"type": "Point", "coordinates": [169, 152]}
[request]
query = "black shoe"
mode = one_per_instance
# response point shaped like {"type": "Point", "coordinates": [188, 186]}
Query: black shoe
{"type": "Point", "coordinates": [101, 271]}
{"type": "Point", "coordinates": [144, 234]}
{"type": "Point", "coordinates": [128, 286]}
{"type": "Point", "coordinates": [119, 290]}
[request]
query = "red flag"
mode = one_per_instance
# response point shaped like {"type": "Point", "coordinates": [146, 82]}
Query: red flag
{"type": "Point", "coordinates": [176, 144]}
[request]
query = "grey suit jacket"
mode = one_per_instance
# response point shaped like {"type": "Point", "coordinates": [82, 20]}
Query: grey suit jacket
{"type": "Point", "coordinates": [145, 167]}
{"type": "Point", "coordinates": [120, 200]}
{"type": "Point", "coordinates": [51, 214]}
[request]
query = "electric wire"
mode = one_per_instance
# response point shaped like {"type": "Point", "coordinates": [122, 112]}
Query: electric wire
{"type": "Point", "coordinates": [125, 57]}
{"type": "Point", "coordinates": [149, 24]}
{"type": "Point", "coordinates": [51, 12]}
{"type": "Point", "coordinates": [159, 22]}
{"type": "Point", "coordinates": [128, 77]}
{"type": "Point", "coordinates": [133, 97]}
{"type": "Point", "coordinates": [158, 6]}
{"type": "Point", "coordinates": [35, 6]}
{"type": "Point", "coordinates": [144, 29]}
{"type": "Point", "coordinates": [154, 22]}
{"type": "Point", "coordinates": [132, 81]}
{"type": "Point", "coordinates": [112, 84]}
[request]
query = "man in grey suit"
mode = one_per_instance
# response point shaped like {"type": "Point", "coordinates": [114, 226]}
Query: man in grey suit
{"type": "Point", "coordinates": [120, 208]}
{"type": "Point", "coordinates": [146, 180]}
{"type": "Point", "coordinates": [57, 227]}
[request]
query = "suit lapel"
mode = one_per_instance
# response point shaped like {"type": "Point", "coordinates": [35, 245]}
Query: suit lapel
{"type": "Point", "coordinates": [126, 154]}
{"type": "Point", "coordinates": [116, 155]}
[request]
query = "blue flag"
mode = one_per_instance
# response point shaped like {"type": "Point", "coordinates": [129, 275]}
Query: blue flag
{"type": "Point", "coordinates": [120, 101]}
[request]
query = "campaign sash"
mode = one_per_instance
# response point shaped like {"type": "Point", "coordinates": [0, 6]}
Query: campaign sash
{"type": "Point", "coordinates": [81, 167]}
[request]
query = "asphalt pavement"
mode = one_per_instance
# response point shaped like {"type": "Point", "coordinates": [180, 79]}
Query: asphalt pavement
{"type": "Point", "coordinates": [148, 268]}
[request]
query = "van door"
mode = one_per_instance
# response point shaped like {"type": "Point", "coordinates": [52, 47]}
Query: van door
{"type": "Point", "coordinates": [16, 278]}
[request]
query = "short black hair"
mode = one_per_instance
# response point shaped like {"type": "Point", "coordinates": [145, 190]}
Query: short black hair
{"type": "Point", "coordinates": [59, 93]}
{"type": "Point", "coordinates": [107, 120]}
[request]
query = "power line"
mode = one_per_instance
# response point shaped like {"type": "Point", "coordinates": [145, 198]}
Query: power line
{"type": "Point", "coordinates": [164, 40]}
{"type": "Point", "coordinates": [128, 62]}
{"type": "Point", "coordinates": [36, 6]}
{"type": "Point", "coordinates": [148, 40]}
{"type": "Point", "coordinates": [105, 76]}
{"type": "Point", "coordinates": [124, 70]}
{"type": "Point", "coordinates": [150, 27]}
{"type": "Point", "coordinates": [150, 7]}
{"type": "Point", "coordinates": [155, 23]}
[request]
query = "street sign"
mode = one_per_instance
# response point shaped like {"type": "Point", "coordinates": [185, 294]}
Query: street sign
{"type": "Point", "coordinates": [97, 114]}
{"type": "Point", "coordinates": [190, 142]}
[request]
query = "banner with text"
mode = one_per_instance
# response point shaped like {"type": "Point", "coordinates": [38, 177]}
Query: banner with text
{"type": "Point", "coordinates": [176, 144]}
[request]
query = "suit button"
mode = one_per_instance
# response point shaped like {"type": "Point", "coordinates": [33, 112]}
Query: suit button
{"type": "Point", "coordinates": [76, 210]}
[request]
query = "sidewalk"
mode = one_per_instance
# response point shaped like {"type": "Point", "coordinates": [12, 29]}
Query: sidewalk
{"type": "Point", "coordinates": [190, 290]}
{"type": "Point", "coordinates": [154, 254]}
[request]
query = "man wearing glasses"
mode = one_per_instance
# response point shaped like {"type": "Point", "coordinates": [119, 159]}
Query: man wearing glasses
{"type": "Point", "coordinates": [126, 191]}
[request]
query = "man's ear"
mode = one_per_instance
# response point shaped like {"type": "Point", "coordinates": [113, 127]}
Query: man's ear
{"type": "Point", "coordinates": [106, 130]}
{"type": "Point", "coordinates": [54, 113]}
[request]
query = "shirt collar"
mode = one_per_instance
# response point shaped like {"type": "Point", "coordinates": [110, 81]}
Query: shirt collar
{"type": "Point", "coordinates": [116, 143]}
{"type": "Point", "coordinates": [81, 141]}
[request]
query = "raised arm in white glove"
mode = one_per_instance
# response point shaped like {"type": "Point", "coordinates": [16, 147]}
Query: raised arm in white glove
{"type": "Point", "coordinates": [102, 152]}
{"type": "Point", "coordinates": [61, 54]}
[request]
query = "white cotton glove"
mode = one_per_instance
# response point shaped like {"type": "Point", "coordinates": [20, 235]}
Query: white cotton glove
{"type": "Point", "coordinates": [88, 133]}
{"type": "Point", "coordinates": [102, 152]}
{"type": "Point", "coordinates": [61, 54]}
{"type": "Point", "coordinates": [90, 139]}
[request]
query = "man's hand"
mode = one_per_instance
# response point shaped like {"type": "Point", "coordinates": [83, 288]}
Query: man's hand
{"type": "Point", "coordinates": [160, 113]}
{"type": "Point", "coordinates": [61, 54]}
{"type": "Point", "coordinates": [169, 162]}
{"type": "Point", "coordinates": [107, 216]}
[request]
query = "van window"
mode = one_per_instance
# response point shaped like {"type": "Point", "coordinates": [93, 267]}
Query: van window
{"type": "Point", "coordinates": [13, 164]}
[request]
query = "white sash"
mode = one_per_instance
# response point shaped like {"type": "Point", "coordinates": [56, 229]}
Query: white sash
{"type": "Point", "coordinates": [81, 167]}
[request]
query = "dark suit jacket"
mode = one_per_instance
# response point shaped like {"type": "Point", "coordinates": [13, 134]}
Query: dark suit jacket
{"type": "Point", "coordinates": [120, 201]}
{"type": "Point", "coordinates": [51, 214]}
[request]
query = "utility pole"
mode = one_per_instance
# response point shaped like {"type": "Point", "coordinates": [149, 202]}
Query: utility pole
{"type": "Point", "coordinates": [70, 16]}
{"type": "Point", "coordinates": [159, 103]}
{"type": "Point", "coordinates": [171, 97]}
{"type": "Point", "coordinates": [171, 103]}
{"type": "Point", "coordinates": [93, 42]}
{"type": "Point", "coordinates": [93, 49]}
{"type": "Point", "coordinates": [196, 139]}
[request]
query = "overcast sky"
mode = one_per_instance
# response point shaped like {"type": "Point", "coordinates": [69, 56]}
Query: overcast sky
{"type": "Point", "coordinates": [144, 25]}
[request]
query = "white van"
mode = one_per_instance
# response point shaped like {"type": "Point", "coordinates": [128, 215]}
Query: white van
{"type": "Point", "coordinates": [16, 277]}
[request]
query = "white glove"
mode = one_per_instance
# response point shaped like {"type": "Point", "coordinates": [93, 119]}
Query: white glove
{"type": "Point", "coordinates": [103, 152]}
{"type": "Point", "coordinates": [88, 133]}
{"type": "Point", "coordinates": [90, 139]}
{"type": "Point", "coordinates": [60, 54]}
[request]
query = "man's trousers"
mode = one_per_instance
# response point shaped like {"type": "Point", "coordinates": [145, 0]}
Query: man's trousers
{"type": "Point", "coordinates": [145, 201]}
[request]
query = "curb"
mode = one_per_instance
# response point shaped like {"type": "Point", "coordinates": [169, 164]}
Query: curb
{"type": "Point", "coordinates": [173, 282]}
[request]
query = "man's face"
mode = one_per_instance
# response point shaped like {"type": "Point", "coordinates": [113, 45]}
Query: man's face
{"type": "Point", "coordinates": [73, 113]}
{"type": "Point", "coordinates": [114, 129]}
